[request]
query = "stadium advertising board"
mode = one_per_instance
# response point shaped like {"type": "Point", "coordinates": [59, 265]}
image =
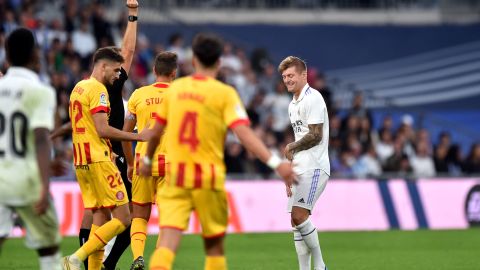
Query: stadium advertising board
{"type": "Point", "coordinates": [346, 205]}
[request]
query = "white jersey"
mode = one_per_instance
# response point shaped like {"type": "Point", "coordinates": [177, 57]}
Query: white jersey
{"type": "Point", "coordinates": [25, 104]}
{"type": "Point", "coordinates": [310, 109]}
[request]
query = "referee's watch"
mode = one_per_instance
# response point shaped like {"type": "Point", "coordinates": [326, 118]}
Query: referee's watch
{"type": "Point", "coordinates": [132, 18]}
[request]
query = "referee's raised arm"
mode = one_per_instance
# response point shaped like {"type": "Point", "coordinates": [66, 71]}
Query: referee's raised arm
{"type": "Point", "coordinates": [130, 36]}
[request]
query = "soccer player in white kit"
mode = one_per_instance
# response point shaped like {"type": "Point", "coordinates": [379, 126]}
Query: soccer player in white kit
{"type": "Point", "coordinates": [309, 119]}
{"type": "Point", "coordinates": [27, 109]}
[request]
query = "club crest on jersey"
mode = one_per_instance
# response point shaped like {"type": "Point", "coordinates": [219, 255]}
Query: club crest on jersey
{"type": "Point", "coordinates": [120, 195]}
{"type": "Point", "coordinates": [103, 99]}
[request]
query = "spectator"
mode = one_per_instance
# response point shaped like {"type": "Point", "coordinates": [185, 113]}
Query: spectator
{"type": "Point", "coordinates": [368, 164]}
{"type": "Point", "coordinates": [385, 148]}
{"type": "Point", "coordinates": [440, 159]}
{"type": "Point", "coordinates": [422, 163]}
{"type": "Point", "coordinates": [472, 162]}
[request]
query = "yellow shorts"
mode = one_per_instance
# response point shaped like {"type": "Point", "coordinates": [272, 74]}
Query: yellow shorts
{"type": "Point", "coordinates": [145, 188]}
{"type": "Point", "coordinates": [101, 185]}
{"type": "Point", "coordinates": [176, 205]}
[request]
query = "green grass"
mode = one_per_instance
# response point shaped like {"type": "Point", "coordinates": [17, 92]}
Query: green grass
{"type": "Point", "coordinates": [391, 250]}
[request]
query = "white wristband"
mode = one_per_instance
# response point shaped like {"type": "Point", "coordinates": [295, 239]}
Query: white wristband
{"type": "Point", "coordinates": [273, 162]}
{"type": "Point", "coordinates": [147, 161]}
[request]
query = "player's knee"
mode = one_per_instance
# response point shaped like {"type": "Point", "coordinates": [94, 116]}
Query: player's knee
{"type": "Point", "coordinates": [214, 246]}
{"type": "Point", "coordinates": [298, 217]}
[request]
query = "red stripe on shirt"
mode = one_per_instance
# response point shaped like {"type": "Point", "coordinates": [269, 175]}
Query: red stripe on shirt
{"type": "Point", "coordinates": [161, 85]}
{"type": "Point", "coordinates": [87, 152]}
{"type": "Point", "coordinates": [181, 175]}
{"type": "Point", "coordinates": [137, 163]}
{"type": "Point", "coordinates": [239, 122]}
{"type": "Point", "coordinates": [160, 120]}
{"type": "Point", "coordinates": [80, 158]}
{"type": "Point", "coordinates": [161, 165]}
{"type": "Point", "coordinates": [74, 155]}
{"type": "Point", "coordinates": [212, 171]}
{"type": "Point", "coordinates": [197, 182]}
{"type": "Point", "coordinates": [107, 141]}
{"type": "Point", "coordinates": [104, 109]}
{"type": "Point", "coordinates": [199, 77]}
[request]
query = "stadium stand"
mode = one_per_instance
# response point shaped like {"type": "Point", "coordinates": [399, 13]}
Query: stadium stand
{"type": "Point", "coordinates": [430, 89]}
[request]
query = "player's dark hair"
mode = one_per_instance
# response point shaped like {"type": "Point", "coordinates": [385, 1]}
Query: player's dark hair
{"type": "Point", "coordinates": [292, 61]}
{"type": "Point", "coordinates": [20, 47]}
{"type": "Point", "coordinates": [165, 63]}
{"type": "Point", "coordinates": [113, 54]}
{"type": "Point", "coordinates": [207, 48]}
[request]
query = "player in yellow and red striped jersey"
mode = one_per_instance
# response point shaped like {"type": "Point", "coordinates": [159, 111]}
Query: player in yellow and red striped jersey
{"type": "Point", "coordinates": [100, 183]}
{"type": "Point", "coordinates": [142, 107]}
{"type": "Point", "coordinates": [198, 110]}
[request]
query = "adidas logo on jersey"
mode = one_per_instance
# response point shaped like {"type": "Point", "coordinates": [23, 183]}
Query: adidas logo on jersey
{"type": "Point", "coordinates": [301, 200]}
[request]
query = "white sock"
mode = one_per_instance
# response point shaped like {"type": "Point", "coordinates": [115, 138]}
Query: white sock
{"type": "Point", "coordinates": [303, 252]}
{"type": "Point", "coordinates": [51, 262]}
{"type": "Point", "coordinates": [310, 236]}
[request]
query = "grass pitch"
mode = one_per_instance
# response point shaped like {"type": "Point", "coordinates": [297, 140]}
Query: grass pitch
{"type": "Point", "coordinates": [391, 250]}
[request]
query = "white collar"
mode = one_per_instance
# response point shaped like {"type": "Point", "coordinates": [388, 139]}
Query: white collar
{"type": "Point", "coordinates": [23, 72]}
{"type": "Point", "coordinates": [302, 93]}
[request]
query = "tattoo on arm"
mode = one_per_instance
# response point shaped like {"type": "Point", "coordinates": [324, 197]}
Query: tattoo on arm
{"type": "Point", "coordinates": [131, 116]}
{"type": "Point", "coordinates": [312, 138]}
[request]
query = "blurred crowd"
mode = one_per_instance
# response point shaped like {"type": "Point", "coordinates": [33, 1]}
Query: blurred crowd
{"type": "Point", "coordinates": [69, 33]}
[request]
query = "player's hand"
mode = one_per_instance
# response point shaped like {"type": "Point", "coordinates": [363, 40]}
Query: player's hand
{"type": "Point", "coordinates": [132, 4]}
{"type": "Point", "coordinates": [129, 173]}
{"type": "Point", "coordinates": [59, 166]}
{"type": "Point", "coordinates": [41, 205]}
{"type": "Point", "coordinates": [288, 152]}
{"type": "Point", "coordinates": [145, 170]}
{"type": "Point", "coordinates": [285, 170]}
{"type": "Point", "coordinates": [288, 190]}
{"type": "Point", "coordinates": [114, 157]}
{"type": "Point", "coordinates": [144, 135]}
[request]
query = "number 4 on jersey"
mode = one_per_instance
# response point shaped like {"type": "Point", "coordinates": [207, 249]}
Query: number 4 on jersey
{"type": "Point", "coordinates": [188, 130]}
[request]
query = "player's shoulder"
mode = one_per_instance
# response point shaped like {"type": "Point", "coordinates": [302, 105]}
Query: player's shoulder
{"type": "Point", "coordinates": [91, 85]}
{"type": "Point", "coordinates": [313, 94]}
{"type": "Point", "coordinates": [38, 90]}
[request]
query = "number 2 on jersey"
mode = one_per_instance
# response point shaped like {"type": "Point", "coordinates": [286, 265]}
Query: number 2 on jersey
{"type": "Point", "coordinates": [78, 107]}
{"type": "Point", "coordinates": [188, 130]}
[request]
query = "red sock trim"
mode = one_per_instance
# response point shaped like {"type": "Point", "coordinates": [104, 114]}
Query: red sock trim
{"type": "Point", "coordinates": [101, 240]}
{"type": "Point", "coordinates": [138, 233]}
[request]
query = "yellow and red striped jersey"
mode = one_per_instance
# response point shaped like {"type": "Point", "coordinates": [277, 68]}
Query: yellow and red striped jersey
{"type": "Point", "coordinates": [88, 97]}
{"type": "Point", "coordinates": [198, 111]}
{"type": "Point", "coordinates": [143, 104]}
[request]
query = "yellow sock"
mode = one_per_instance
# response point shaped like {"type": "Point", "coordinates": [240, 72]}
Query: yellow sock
{"type": "Point", "coordinates": [216, 263]}
{"type": "Point", "coordinates": [95, 260]}
{"type": "Point", "coordinates": [80, 253]}
{"type": "Point", "coordinates": [162, 259]}
{"type": "Point", "coordinates": [100, 238]}
{"type": "Point", "coordinates": [138, 235]}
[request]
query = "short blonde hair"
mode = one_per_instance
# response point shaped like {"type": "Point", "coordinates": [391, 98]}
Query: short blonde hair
{"type": "Point", "coordinates": [292, 61]}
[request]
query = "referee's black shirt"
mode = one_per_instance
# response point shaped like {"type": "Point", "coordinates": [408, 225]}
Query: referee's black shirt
{"type": "Point", "coordinates": [117, 111]}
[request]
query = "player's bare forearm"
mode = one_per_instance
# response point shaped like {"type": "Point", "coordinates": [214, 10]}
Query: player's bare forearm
{"type": "Point", "coordinates": [129, 126]}
{"type": "Point", "coordinates": [250, 141]}
{"type": "Point", "coordinates": [43, 148]}
{"type": "Point", "coordinates": [312, 138]}
{"type": "Point", "coordinates": [130, 36]}
{"type": "Point", "coordinates": [63, 130]}
{"type": "Point", "coordinates": [154, 139]}
{"type": "Point", "coordinates": [107, 132]}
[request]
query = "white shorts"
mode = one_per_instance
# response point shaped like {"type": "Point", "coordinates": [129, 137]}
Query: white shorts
{"type": "Point", "coordinates": [41, 231]}
{"type": "Point", "coordinates": [309, 188]}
